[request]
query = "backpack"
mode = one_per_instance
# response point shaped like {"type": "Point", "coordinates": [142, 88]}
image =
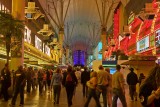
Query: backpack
{"type": "Point", "coordinates": [68, 78]}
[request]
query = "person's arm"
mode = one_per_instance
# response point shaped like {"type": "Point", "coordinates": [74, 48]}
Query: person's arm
{"type": "Point", "coordinates": [154, 95]}
{"type": "Point", "coordinates": [52, 80]}
{"type": "Point", "coordinates": [75, 78]}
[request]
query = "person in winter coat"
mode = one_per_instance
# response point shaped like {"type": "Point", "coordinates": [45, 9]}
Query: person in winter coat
{"type": "Point", "coordinates": [56, 83]}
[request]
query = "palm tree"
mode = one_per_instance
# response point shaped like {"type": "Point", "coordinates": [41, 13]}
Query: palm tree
{"type": "Point", "coordinates": [10, 27]}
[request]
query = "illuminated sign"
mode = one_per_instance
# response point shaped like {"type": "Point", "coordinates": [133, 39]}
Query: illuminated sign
{"type": "Point", "coordinates": [157, 38]}
{"type": "Point", "coordinates": [38, 43]}
{"type": "Point", "coordinates": [143, 44]}
{"type": "Point", "coordinates": [47, 50]}
{"type": "Point", "coordinates": [79, 57]}
{"type": "Point", "coordinates": [27, 35]}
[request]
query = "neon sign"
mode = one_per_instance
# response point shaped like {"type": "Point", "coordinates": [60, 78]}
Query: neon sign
{"type": "Point", "coordinates": [143, 44]}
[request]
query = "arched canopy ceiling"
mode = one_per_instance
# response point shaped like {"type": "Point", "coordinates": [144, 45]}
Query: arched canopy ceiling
{"type": "Point", "coordinates": [82, 20]}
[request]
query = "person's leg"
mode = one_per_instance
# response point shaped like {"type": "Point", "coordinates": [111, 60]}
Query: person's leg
{"type": "Point", "coordinates": [86, 88]}
{"type": "Point", "coordinates": [40, 87]}
{"type": "Point", "coordinates": [28, 86]}
{"type": "Point", "coordinates": [122, 98]}
{"type": "Point", "coordinates": [15, 95]}
{"type": "Point", "coordinates": [67, 91]}
{"type": "Point", "coordinates": [94, 94]}
{"type": "Point", "coordinates": [55, 93]}
{"type": "Point", "coordinates": [71, 93]}
{"type": "Point", "coordinates": [5, 92]}
{"type": "Point", "coordinates": [21, 95]}
{"type": "Point", "coordinates": [115, 98]}
{"type": "Point", "coordinates": [58, 93]}
{"type": "Point", "coordinates": [88, 98]}
{"type": "Point", "coordinates": [98, 92]}
{"type": "Point", "coordinates": [104, 94]}
{"type": "Point", "coordinates": [83, 89]}
{"type": "Point", "coordinates": [131, 92]}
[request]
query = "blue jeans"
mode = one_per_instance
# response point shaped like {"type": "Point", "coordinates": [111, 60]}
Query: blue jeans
{"type": "Point", "coordinates": [92, 93]}
{"type": "Point", "coordinates": [117, 93]}
{"type": "Point", "coordinates": [57, 90]}
{"type": "Point", "coordinates": [104, 94]}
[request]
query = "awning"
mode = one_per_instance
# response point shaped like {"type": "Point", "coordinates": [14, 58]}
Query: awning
{"type": "Point", "coordinates": [139, 63]}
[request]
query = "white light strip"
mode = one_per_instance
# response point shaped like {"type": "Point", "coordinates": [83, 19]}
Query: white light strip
{"type": "Point", "coordinates": [33, 65]}
{"type": "Point", "coordinates": [4, 59]}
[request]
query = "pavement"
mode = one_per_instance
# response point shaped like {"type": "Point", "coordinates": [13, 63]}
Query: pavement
{"type": "Point", "coordinates": [33, 99]}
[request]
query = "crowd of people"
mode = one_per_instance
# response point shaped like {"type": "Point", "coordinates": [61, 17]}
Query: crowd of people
{"type": "Point", "coordinates": [94, 84]}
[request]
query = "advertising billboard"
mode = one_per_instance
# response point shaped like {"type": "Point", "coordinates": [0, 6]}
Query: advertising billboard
{"type": "Point", "coordinates": [143, 44]}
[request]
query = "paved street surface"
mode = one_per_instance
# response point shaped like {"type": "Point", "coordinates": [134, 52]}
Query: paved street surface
{"type": "Point", "coordinates": [46, 100]}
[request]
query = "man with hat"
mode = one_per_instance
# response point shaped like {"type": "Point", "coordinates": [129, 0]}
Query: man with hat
{"type": "Point", "coordinates": [132, 80]}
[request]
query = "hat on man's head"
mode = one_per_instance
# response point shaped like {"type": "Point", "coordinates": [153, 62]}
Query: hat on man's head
{"type": "Point", "coordinates": [131, 69]}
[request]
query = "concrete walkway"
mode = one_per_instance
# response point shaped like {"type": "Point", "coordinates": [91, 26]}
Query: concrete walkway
{"type": "Point", "coordinates": [46, 100]}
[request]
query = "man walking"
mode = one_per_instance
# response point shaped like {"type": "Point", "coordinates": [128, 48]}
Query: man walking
{"type": "Point", "coordinates": [20, 80]}
{"type": "Point", "coordinates": [118, 87]}
{"type": "Point", "coordinates": [132, 80]}
{"type": "Point", "coordinates": [6, 81]}
{"type": "Point", "coordinates": [103, 82]}
{"type": "Point", "coordinates": [85, 76]}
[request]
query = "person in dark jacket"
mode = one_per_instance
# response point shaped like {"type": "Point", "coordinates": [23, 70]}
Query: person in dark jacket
{"type": "Point", "coordinates": [29, 79]}
{"type": "Point", "coordinates": [56, 83]}
{"type": "Point", "coordinates": [40, 81]}
{"type": "Point", "coordinates": [69, 82]}
{"type": "Point", "coordinates": [20, 81]}
{"type": "Point", "coordinates": [85, 76]}
{"type": "Point", "coordinates": [6, 81]}
{"type": "Point", "coordinates": [132, 80]}
{"type": "Point", "coordinates": [149, 92]}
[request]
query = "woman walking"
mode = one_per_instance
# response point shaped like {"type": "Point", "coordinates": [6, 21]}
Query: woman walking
{"type": "Point", "coordinates": [69, 82]}
{"type": "Point", "coordinates": [92, 84]}
{"type": "Point", "coordinates": [56, 84]}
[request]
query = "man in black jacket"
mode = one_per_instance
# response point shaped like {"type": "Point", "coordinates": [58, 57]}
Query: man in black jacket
{"type": "Point", "coordinates": [6, 81]}
{"type": "Point", "coordinates": [20, 80]}
{"type": "Point", "coordinates": [85, 76]}
{"type": "Point", "coordinates": [132, 80]}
